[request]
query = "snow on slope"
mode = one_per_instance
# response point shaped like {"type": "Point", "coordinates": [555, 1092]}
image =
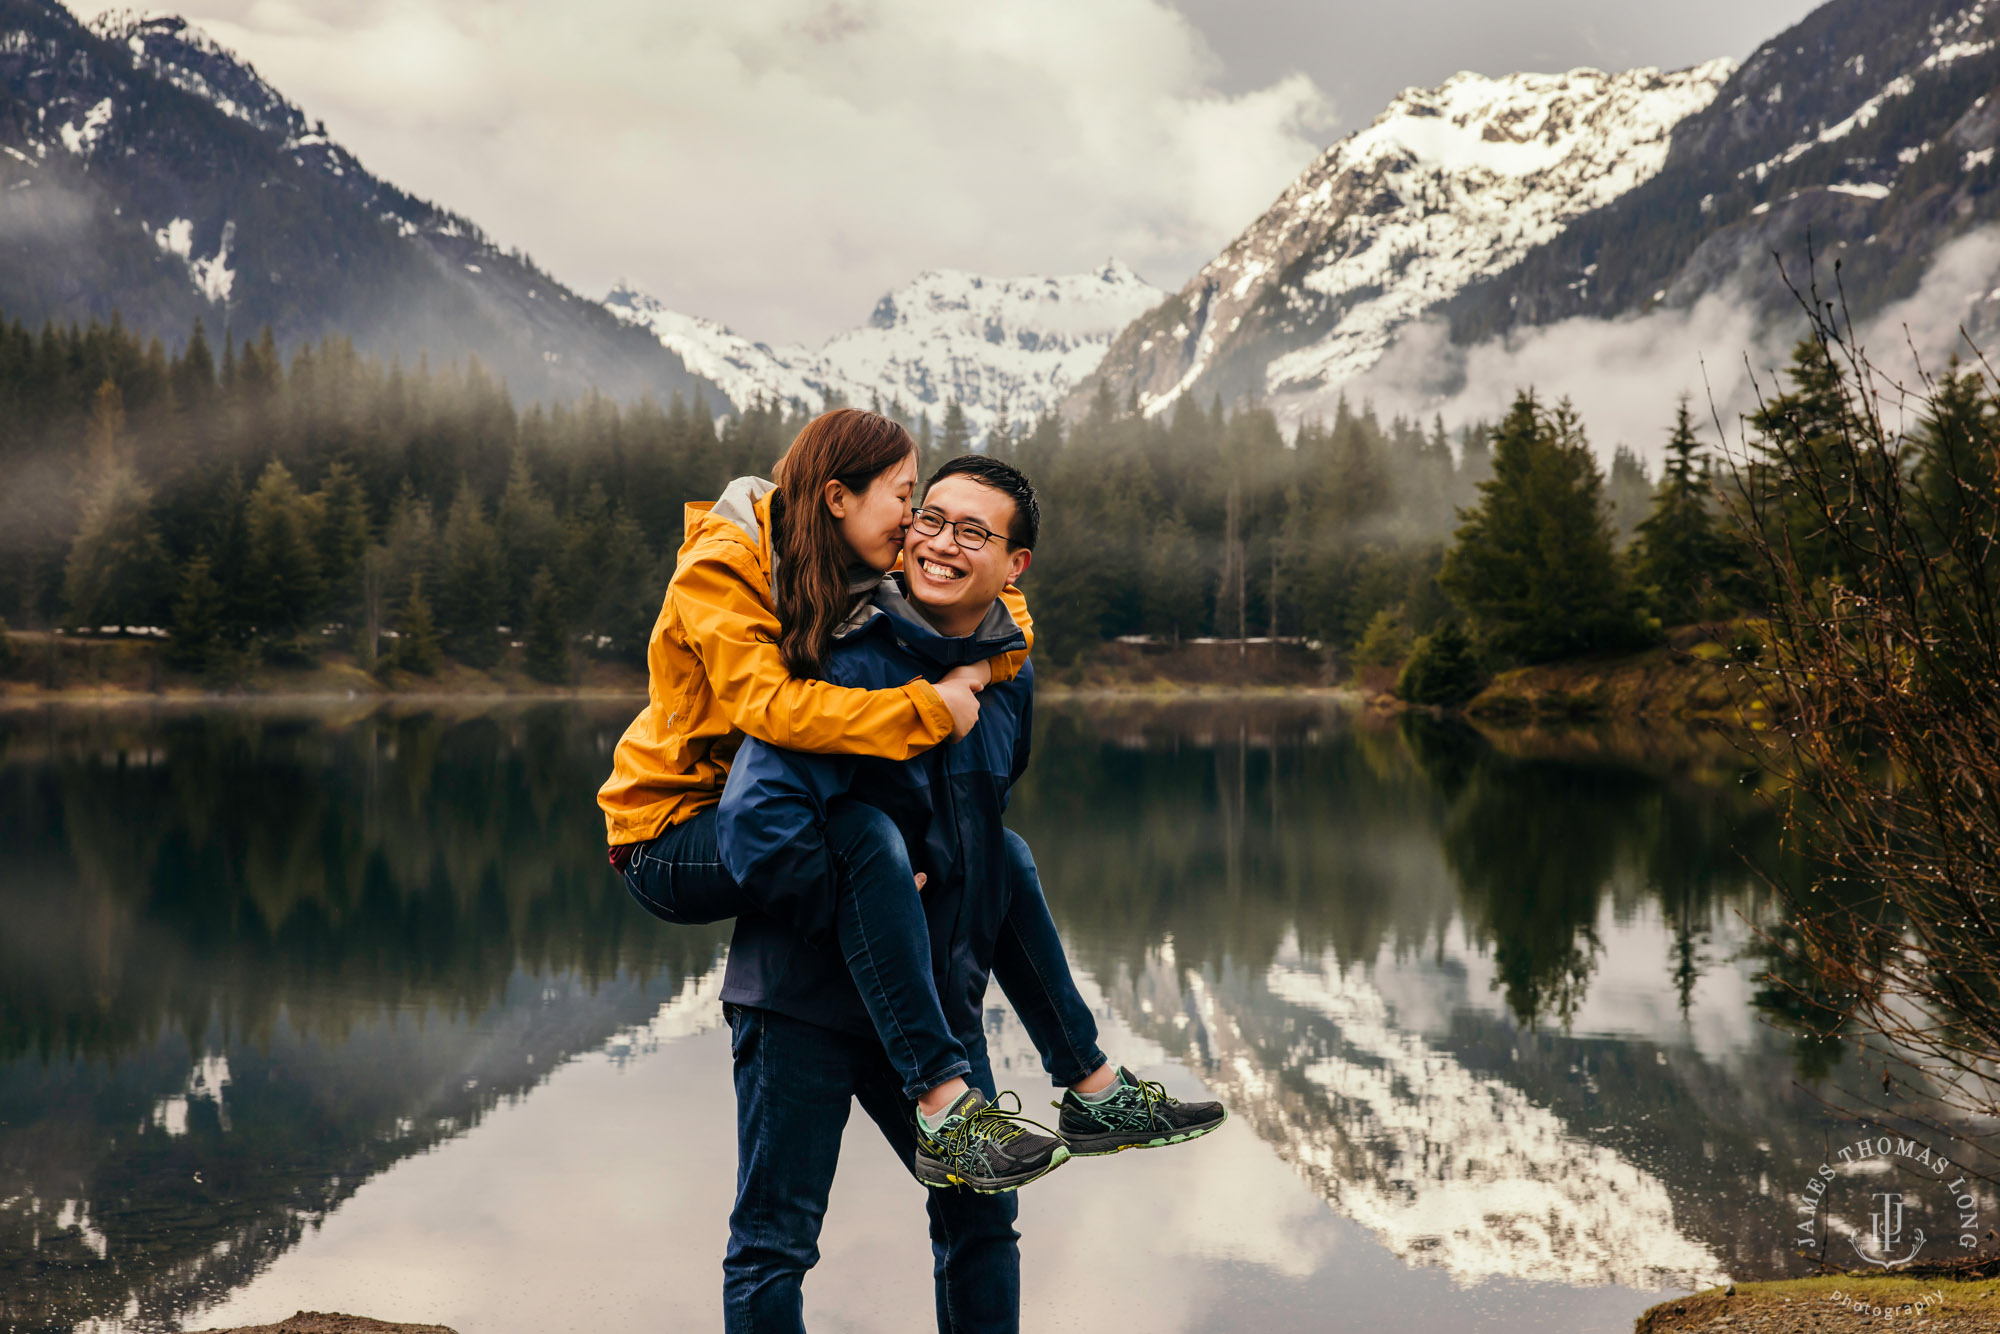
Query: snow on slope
{"type": "Point", "coordinates": [1448, 185]}
{"type": "Point", "coordinates": [1492, 167]}
{"type": "Point", "coordinates": [1000, 347]}
{"type": "Point", "coordinates": [742, 367]}
{"type": "Point", "coordinates": [187, 57]}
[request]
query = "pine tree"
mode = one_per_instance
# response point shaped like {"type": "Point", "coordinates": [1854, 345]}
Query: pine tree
{"type": "Point", "coordinates": [634, 587]}
{"type": "Point", "coordinates": [1811, 419]}
{"type": "Point", "coordinates": [1068, 600]}
{"type": "Point", "coordinates": [1443, 670]}
{"type": "Point", "coordinates": [220, 531]}
{"type": "Point", "coordinates": [194, 377]}
{"type": "Point", "coordinates": [417, 648]}
{"type": "Point", "coordinates": [409, 547]}
{"type": "Point", "coordinates": [473, 590]}
{"type": "Point", "coordinates": [198, 641]}
{"type": "Point", "coordinates": [1681, 556]}
{"type": "Point", "coordinates": [282, 566]}
{"type": "Point", "coordinates": [1629, 493]}
{"type": "Point", "coordinates": [1957, 469]}
{"type": "Point", "coordinates": [546, 643]}
{"type": "Point", "coordinates": [343, 539]}
{"type": "Point", "coordinates": [956, 437]}
{"type": "Point", "coordinates": [1532, 565]}
{"type": "Point", "coordinates": [1386, 642]}
{"type": "Point", "coordinates": [1175, 580]}
{"type": "Point", "coordinates": [116, 561]}
{"type": "Point", "coordinates": [530, 534]}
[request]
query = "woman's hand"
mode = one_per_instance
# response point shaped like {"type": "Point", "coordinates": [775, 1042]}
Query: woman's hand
{"type": "Point", "coordinates": [978, 675]}
{"type": "Point", "coordinates": [961, 696]}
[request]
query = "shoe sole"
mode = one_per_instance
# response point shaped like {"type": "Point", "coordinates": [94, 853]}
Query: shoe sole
{"type": "Point", "coordinates": [939, 1177]}
{"type": "Point", "coordinates": [1103, 1146]}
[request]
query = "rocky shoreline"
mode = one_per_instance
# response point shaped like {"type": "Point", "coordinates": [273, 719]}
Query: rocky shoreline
{"type": "Point", "coordinates": [329, 1322]}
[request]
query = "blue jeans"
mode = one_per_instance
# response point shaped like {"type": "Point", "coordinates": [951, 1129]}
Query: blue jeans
{"type": "Point", "coordinates": [879, 920]}
{"type": "Point", "coordinates": [794, 1084]}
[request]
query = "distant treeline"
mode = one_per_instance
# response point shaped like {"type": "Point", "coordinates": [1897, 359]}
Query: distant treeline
{"type": "Point", "coordinates": [251, 505]}
{"type": "Point", "coordinates": [258, 506]}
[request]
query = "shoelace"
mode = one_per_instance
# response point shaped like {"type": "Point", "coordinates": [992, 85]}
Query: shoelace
{"type": "Point", "coordinates": [1151, 1090]}
{"type": "Point", "coordinates": [991, 1122]}
{"type": "Point", "coordinates": [1154, 1093]}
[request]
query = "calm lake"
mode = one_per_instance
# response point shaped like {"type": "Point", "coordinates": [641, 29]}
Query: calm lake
{"type": "Point", "coordinates": [343, 1011]}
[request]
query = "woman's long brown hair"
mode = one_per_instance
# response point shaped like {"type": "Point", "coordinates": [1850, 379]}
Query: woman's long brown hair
{"type": "Point", "coordinates": [809, 583]}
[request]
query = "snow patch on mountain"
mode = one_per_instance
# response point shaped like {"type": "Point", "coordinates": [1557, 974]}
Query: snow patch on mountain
{"type": "Point", "coordinates": [81, 139]}
{"type": "Point", "coordinates": [1470, 175]}
{"type": "Point", "coordinates": [212, 277]}
{"type": "Point", "coordinates": [180, 52]}
{"type": "Point", "coordinates": [187, 57]}
{"type": "Point", "coordinates": [745, 369]}
{"type": "Point", "coordinates": [1002, 348]}
{"type": "Point", "coordinates": [1448, 185]}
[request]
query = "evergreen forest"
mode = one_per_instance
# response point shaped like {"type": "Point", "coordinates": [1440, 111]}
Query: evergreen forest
{"type": "Point", "coordinates": [250, 505]}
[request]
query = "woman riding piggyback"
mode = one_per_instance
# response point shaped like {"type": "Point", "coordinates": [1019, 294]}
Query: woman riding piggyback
{"type": "Point", "coordinates": [721, 661]}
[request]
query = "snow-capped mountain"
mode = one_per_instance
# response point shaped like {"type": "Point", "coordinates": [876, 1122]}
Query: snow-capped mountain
{"type": "Point", "coordinates": [1870, 125]}
{"type": "Point", "coordinates": [148, 172]}
{"type": "Point", "coordinates": [745, 369]}
{"type": "Point", "coordinates": [1449, 185]}
{"type": "Point", "coordinates": [191, 60]}
{"type": "Point", "coordinates": [1000, 347]}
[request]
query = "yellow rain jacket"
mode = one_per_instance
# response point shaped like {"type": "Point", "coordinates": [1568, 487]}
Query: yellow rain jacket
{"type": "Point", "coordinates": [714, 674]}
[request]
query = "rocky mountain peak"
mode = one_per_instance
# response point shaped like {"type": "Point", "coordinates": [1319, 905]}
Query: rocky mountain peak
{"type": "Point", "coordinates": [1002, 348]}
{"type": "Point", "coordinates": [149, 172]}
{"type": "Point", "coordinates": [1447, 185]}
{"type": "Point", "coordinates": [1868, 126]}
{"type": "Point", "coordinates": [186, 56]}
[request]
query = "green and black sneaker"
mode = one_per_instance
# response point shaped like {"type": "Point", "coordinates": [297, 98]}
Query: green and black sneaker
{"type": "Point", "coordinates": [1138, 1114]}
{"type": "Point", "coordinates": [986, 1149]}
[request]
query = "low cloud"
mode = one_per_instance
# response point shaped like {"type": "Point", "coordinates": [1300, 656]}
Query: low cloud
{"type": "Point", "coordinates": [1625, 375]}
{"type": "Point", "coordinates": [778, 164]}
{"type": "Point", "coordinates": [37, 211]}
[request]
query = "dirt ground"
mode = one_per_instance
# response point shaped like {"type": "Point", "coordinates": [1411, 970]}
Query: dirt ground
{"type": "Point", "coordinates": [324, 1322]}
{"type": "Point", "coordinates": [1832, 1306]}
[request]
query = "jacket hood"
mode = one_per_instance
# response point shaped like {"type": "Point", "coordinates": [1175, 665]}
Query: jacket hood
{"type": "Point", "coordinates": [742, 513]}
{"type": "Point", "coordinates": [889, 611]}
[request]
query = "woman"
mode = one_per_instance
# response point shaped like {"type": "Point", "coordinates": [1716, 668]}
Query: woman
{"type": "Point", "coordinates": [760, 584]}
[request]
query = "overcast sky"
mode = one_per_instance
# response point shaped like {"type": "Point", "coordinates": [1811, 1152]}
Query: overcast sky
{"type": "Point", "coordinates": [778, 164]}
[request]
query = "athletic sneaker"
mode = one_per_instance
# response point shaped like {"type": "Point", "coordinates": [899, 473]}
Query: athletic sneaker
{"type": "Point", "coordinates": [986, 1149]}
{"type": "Point", "coordinates": [1139, 1114]}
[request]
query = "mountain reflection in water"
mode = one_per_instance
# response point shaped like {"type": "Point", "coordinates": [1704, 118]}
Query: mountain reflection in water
{"type": "Point", "coordinates": [1494, 1003]}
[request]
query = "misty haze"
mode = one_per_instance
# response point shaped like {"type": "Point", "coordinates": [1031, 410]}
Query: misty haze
{"type": "Point", "coordinates": [1487, 569]}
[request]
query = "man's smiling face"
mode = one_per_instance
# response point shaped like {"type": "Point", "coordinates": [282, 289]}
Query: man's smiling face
{"type": "Point", "coordinates": [954, 585]}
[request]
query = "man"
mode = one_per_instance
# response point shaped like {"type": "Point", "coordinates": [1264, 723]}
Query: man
{"type": "Point", "coordinates": [803, 1047]}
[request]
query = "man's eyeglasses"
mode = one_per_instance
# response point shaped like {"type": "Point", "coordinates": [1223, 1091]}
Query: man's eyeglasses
{"type": "Point", "coordinates": [965, 532]}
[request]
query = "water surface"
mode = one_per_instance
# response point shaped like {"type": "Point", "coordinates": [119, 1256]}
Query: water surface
{"type": "Point", "coordinates": [341, 1010]}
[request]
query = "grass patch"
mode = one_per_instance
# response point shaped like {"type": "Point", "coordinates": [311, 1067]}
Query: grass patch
{"type": "Point", "coordinates": [1888, 1296]}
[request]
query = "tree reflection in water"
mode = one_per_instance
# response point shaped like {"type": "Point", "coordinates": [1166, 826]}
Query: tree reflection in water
{"type": "Point", "coordinates": [252, 958]}
{"type": "Point", "coordinates": [1385, 940]}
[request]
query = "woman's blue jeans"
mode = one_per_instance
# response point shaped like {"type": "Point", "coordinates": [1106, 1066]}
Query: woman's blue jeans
{"type": "Point", "coordinates": [879, 920]}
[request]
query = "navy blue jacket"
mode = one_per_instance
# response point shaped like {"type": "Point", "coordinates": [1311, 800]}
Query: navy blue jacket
{"type": "Point", "coordinates": [947, 802]}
